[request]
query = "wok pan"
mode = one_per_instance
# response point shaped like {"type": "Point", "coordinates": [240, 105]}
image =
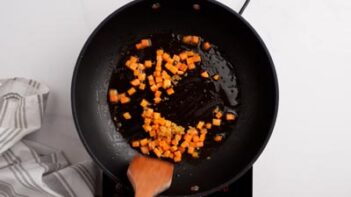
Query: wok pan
{"type": "Point", "coordinates": [243, 48]}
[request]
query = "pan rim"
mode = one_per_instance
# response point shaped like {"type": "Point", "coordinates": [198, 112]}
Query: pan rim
{"type": "Point", "coordinates": [275, 83]}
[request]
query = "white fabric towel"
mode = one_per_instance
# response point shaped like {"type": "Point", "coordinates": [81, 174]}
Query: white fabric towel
{"type": "Point", "coordinates": [24, 170]}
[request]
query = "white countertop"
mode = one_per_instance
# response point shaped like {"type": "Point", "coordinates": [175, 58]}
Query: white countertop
{"type": "Point", "coordinates": [309, 153]}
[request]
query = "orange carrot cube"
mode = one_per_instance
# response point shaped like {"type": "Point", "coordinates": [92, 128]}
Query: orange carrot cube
{"type": "Point", "coordinates": [218, 138]}
{"type": "Point", "coordinates": [216, 122]}
{"type": "Point", "coordinates": [113, 95]}
{"type": "Point", "coordinates": [135, 144]}
{"type": "Point", "coordinates": [205, 74]}
{"type": "Point", "coordinates": [170, 91]}
{"type": "Point", "coordinates": [131, 91]}
{"type": "Point", "coordinates": [127, 115]}
{"type": "Point", "coordinates": [145, 150]}
{"type": "Point", "coordinates": [216, 77]}
{"type": "Point", "coordinates": [135, 82]}
{"type": "Point", "coordinates": [206, 46]}
{"type": "Point", "coordinates": [144, 103]}
{"type": "Point", "coordinates": [143, 142]}
{"type": "Point", "coordinates": [230, 116]}
{"type": "Point", "coordinates": [148, 63]}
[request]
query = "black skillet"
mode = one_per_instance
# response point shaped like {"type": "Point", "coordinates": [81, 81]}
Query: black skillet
{"type": "Point", "coordinates": [239, 44]}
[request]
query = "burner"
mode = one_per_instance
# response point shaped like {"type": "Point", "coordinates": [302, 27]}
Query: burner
{"type": "Point", "coordinates": [240, 188]}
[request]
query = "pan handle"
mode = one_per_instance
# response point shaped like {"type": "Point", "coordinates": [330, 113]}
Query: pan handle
{"type": "Point", "coordinates": [244, 6]}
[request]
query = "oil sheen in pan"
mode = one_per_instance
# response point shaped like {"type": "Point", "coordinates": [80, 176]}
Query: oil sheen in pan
{"type": "Point", "coordinates": [195, 98]}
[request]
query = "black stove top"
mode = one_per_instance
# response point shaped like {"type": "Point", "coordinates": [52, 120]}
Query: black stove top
{"type": "Point", "coordinates": [240, 188]}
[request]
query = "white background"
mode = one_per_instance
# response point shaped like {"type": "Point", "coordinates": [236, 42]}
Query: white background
{"type": "Point", "coordinates": [309, 153]}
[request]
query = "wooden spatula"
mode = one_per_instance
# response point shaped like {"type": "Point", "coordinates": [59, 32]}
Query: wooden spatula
{"type": "Point", "coordinates": [149, 177]}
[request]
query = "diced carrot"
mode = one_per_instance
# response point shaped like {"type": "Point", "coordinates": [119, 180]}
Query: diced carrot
{"type": "Point", "coordinates": [199, 144]}
{"type": "Point", "coordinates": [139, 46]}
{"type": "Point", "coordinates": [145, 150]}
{"type": "Point", "coordinates": [167, 83]}
{"type": "Point", "coordinates": [230, 116]}
{"type": "Point", "coordinates": [142, 86]}
{"type": "Point", "coordinates": [177, 159]}
{"type": "Point", "coordinates": [144, 103]}
{"type": "Point", "coordinates": [147, 120]}
{"type": "Point", "coordinates": [218, 138]}
{"type": "Point", "coordinates": [167, 153]}
{"type": "Point", "coordinates": [149, 112]}
{"type": "Point", "coordinates": [158, 94]}
{"type": "Point", "coordinates": [216, 77]}
{"type": "Point", "coordinates": [143, 142]}
{"type": "Point", "coordinates": [177, 137]}
{"type": "Point", "coordinates": [136, 72]}
{"type": "Point", "coordinates": [158, 79]}
{"type": "Point", "coordinates": [184, 144]}
{"type": "Point", "coordinates": [158, 74]}
{"type": "Point", "coordinates": [183, 56]}
{"type": "Point", "coordinates": [133, 59]}
{"type": "Point", "coordinates": [219, 115]}
{"type": "Point", "coordinates": [166, 57]}
{"type": "Point", "coordinates": [133, 66]}
{"type": "Point", "coordinates": [152, 133]}
{"type": "Point", "coordinates": [135, 144]}
{"type": "Point", "coordinates": [159, 52]}
{"type": "Point", "coordinates": [196, 58]}
{"type": "Point", "coordinates": [187, 138]}
{"type": "Point", "coordinates": [200, 124]}
{"type": "Point", "coordinates": [141, 67]}
{"type": "Point", "coordinates": [174, 148]}
{"type": "Point", "coordinates": [208, 125]}
{"type": "Point", "coordinates": [113, 94]}
{"type": "Point", "coordinates": [146, 42]}
{"type": "Point", "coordinates": [206, 46]}
{"type": "Point", "coordinates": [147, 128]}
{"type": "Point", "coordinates": [131, 91]}
{"type": "Point", "coordinates": [176, 58]}
{"type": "Point", "coordinates": [205, 74]}
{"type": "Point", "coordinates": [216, 122]}
{"type": "Point", "coordinates": [189, 61]}
{"type": "Point", "coordinates": [191, 150]}
{"type": "Point", "coordinates": [170, 91]}
{"type": "Point", "coordinates": [157, 152]}
{"type": "Point", "coordinates": [152, 145]}
{"type": "Point", "coordinates": [177, 154]}
{"type": "Point", "coordinates": [157, 115]}
{"type": "Point", "coordinates": [191, 66]}
{"type": "Point", "coordinates": [195, 40]}
{"type": "Point", "coordinates": [148, 63]}
{"type": "Point", "coordinates": [203, 131]}
{"type": "Point", "coordinates": [127, 115]}
{"type": "Point", "coordinates": [124, 99]}
{"type": "Point", "coordinates": [135, 82]}
{"type": "Point", "coordinates": [202, 137]}
{"type": "Point", "coordinates": [171, 68]}
{"type": "Point", "coordinates": [195, 154]}
{"type": "Point", "coordinates": [128, 62]}
{"type": "Point", "coordinates": [187, 39]}
{"type": "Point", "coordinates": [175, 142]}
{"type": "Point", "coordinates": [154, 88]}
{"type": "Point", "coordinates": [181, 149]}
{"type": "Point", "coordinates": [182, 67]}
{"type": "Point", "coordinates": [190, 53]}
{"type": "Point", "coordinates": [196, 138]}
{"type": "Point", "coordinates": [142, 76]}
{"type": "Point", "coordinates": [157, 100]}
{"type": "Point", "coordinates": [151, 80]}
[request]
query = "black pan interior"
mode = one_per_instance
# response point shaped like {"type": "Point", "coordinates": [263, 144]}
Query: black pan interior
{"type": "Point", "coordinates": [258, 90]}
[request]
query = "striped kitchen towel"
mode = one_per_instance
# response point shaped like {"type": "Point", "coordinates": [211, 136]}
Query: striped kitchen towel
{"type": "Point", "coordinates": [25, 170]}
